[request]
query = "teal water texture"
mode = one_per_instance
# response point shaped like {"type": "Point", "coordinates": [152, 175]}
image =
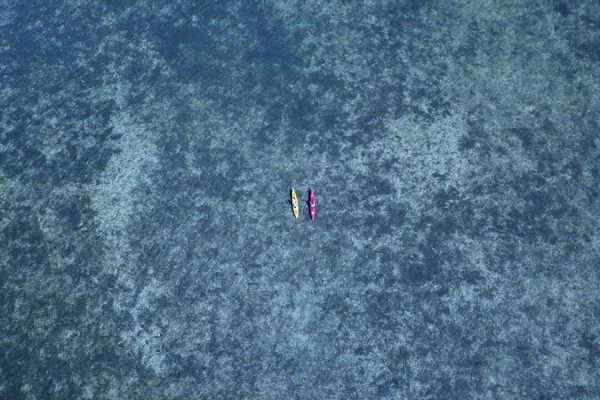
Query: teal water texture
{"type": "Point", "coordinates": [147, 245]}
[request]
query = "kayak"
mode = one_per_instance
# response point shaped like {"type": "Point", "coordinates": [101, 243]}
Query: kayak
{"type": "Point", "coordinates": [312, 204]}
{"type": "Point", "coordinates": [295, 206]}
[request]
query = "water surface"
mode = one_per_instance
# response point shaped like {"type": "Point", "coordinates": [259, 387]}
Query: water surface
{"type": "Point", "coordinates": [148, 249]}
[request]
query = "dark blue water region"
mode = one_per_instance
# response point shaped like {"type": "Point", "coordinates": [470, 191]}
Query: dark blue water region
{"type": "Point", "coordinates": [147, 245]}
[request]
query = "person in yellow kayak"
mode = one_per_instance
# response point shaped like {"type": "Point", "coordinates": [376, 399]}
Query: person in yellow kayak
{"type": "Point", "coordinates": [295, 205]}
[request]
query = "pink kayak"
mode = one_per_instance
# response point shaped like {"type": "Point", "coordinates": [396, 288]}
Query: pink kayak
{"type": "Point", "coordinates": [312, 204]}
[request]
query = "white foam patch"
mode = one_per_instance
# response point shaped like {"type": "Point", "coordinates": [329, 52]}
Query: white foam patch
{"type": "Point", "coordinates": [7, 15]}
{"type": "Point", "coordinates": [114, 198]}
{"type": "Point", "coordinates": [146, 341]}
{"type": "Point", "coordinates": [424, 152]}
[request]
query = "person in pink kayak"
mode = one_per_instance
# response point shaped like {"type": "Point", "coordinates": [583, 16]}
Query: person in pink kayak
{"type": "Point", "coordinates": [312, 204]}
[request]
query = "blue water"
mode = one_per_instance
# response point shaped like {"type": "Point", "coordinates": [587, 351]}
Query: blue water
{"type": "Point", "coordinates": [147, 245]}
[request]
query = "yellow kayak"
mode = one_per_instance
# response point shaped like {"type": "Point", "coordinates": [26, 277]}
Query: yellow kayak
{"type": "Point", "coordinates": [295, 205]}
